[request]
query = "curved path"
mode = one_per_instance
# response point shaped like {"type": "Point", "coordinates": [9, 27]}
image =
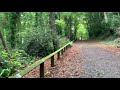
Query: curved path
{"type": "Point", "coordinates": [86, 59]}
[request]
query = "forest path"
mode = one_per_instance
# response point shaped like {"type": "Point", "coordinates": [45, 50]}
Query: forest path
{"type": "Point", "coordinates": [86, 59]}
{"type": "Point", "coordinates": [99, 61]}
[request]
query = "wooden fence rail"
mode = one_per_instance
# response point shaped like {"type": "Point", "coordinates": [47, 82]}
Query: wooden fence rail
{"type": "Point", "coordinates": [41, 62]}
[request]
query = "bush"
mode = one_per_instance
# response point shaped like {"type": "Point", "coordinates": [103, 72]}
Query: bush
{"type": "Point", "coordinates": [5, 73]}
{"type": "Point", "coordinates": [117, 31]}
{"type": "Point", "coordinates": [63, 41]}
{"type": "Point", "coordinates": [19, 60]}
{"type": "Point", "coordinates": [38, 43]}
{"type": "Point", "coordinates": [112, 25]}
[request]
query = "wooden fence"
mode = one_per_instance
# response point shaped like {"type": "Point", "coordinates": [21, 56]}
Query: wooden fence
{"type": "Point", "coordinates": [41, 62]}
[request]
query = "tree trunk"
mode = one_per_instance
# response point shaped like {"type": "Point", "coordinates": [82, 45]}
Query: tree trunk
{"type": "Point", "coordinates": [18, 28]}
{"type": "Point", "coordinates": [70, 29]}
{"type": "Point", "coordinates": [75, 31]}
{"type": "Point", "coordinates": [4, 44]}
{"type": "Point", "coordinates": [66, 26]}
{"type": "Point", "coordinates": [13, 26]}
{"type": "Point", "coordinates": [105, 17]}
{"type": "Point", "coordinates": [59, 15]}
{"type": "Point", "coordinates": [118, 14]}
{"type": "Point", "coordinates": [53, 30]}
{"type": "Point", "coordinates": [36, 20]}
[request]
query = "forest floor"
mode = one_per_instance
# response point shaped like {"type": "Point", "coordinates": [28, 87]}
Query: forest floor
{"type": "Point", "coordinates": [85, 59]}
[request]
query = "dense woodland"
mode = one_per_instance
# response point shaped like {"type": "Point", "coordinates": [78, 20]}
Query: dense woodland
{"type": "Point", "coordinates": [27, 36]}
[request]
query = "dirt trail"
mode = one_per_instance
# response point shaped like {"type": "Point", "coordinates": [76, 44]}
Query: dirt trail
{"type": "Point", "coordinates": [99, 61]}
{"type": "Point", "coordinates": [87, 59]}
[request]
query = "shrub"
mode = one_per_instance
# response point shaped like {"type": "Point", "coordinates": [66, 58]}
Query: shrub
{"type": "Point", "coordinates": [19, 60]}
{"type": "Point", "coordinates": [38, 43]}
{"type": "Point", "coordinates": [5, 73]}
{"type": "Point", "coordinates": [63, 41]}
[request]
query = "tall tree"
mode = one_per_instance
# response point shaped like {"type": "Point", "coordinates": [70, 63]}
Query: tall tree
{"type": "Point", "coordinates": [66, 25]}
{"type": "Point", "coordinates": [4, 44]}
{"type": "Point", "coordinates": [105, 16]}
{"type": "Point", "coordinates": [36, 20]}
{"type": "Point", "coordinates": [53, 30]}
{"type": "Point", "coordinates": [75, 27]}
{"type": "Point", "coordinates": [14, 19]}
{"type": "Point", "coordinates": [70, 28]}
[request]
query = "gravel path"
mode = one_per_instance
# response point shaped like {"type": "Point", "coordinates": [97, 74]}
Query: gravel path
{"type": "Point", "coordinates": [99, 62]}
{"type": "Point", "coordinates": [85, 59]}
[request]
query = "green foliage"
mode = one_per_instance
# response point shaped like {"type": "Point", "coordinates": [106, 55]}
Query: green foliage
{"type": "Point", "coordinates": [103, 23]}
{"type": "Point", "coordinates": [18, 61]}
{"type": "Point", "coordinates": [113, 23]}
{"type": "Point", "coordinates": [14, 65]}
{"type": "Point", "coordinates": [38, 43]}
{"type": "Point", "coordinates": [93, 21]}
{"type": "Point", "coordinates": [82, 33]}
{"type": "Point", "coordinates": [60, 25]}
{"type": "Point", "coordinates": [5, 73]}
{"type": "Point", "coordinates": [4, 55]}
{"type": "Point", "coordinates": [63, 41]}
{"type": "Point", "coordinates": [113, 20]}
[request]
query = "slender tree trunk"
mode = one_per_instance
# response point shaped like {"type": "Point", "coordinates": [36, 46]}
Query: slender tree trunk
{"type": "Point", "coordinates": [53, 30]}
{"type": "Point", "coordinates": [105, 17]}
{"type": "Point", "coordinates": [118, 14]}
{"type": "Point", "coordinates": [66, 26]}
{"type": "Point", "coordinates": [13, 32]}
{"type": "Point", "coordinates": [13, 26]}
{"type": "Point", "coordinates": [70, 29]}
{"type": "Point", "coordinates": [59, 15]}
{"type": "Point", "coordinates": [36, 20]}
{"type": "Point", "coordinates": [4, 44]}
{"type": "Point", "coordinates": [75, 31]}
{"type": "Point", "coordinates": [18, 28]}
{"type": "Point", "coordinates": [81, 36]}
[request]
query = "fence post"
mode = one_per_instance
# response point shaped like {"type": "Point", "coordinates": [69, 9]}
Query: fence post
{"type": "Point", "coordinates": [42, 70]}
{"type": "Point", "coordinates": [66, 47]}
{"type": "Point", "coordinates": [58, 55]}
{"type": "Point", "coordinates": [69, 45]}
{"type": "Point", "coordinates": [52, 61]}
{"type": "Point", "coordinates": [62, 51]}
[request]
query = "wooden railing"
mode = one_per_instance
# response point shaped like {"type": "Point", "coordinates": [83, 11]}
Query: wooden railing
{"type": "Point", "coordinates": [41, 62]}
